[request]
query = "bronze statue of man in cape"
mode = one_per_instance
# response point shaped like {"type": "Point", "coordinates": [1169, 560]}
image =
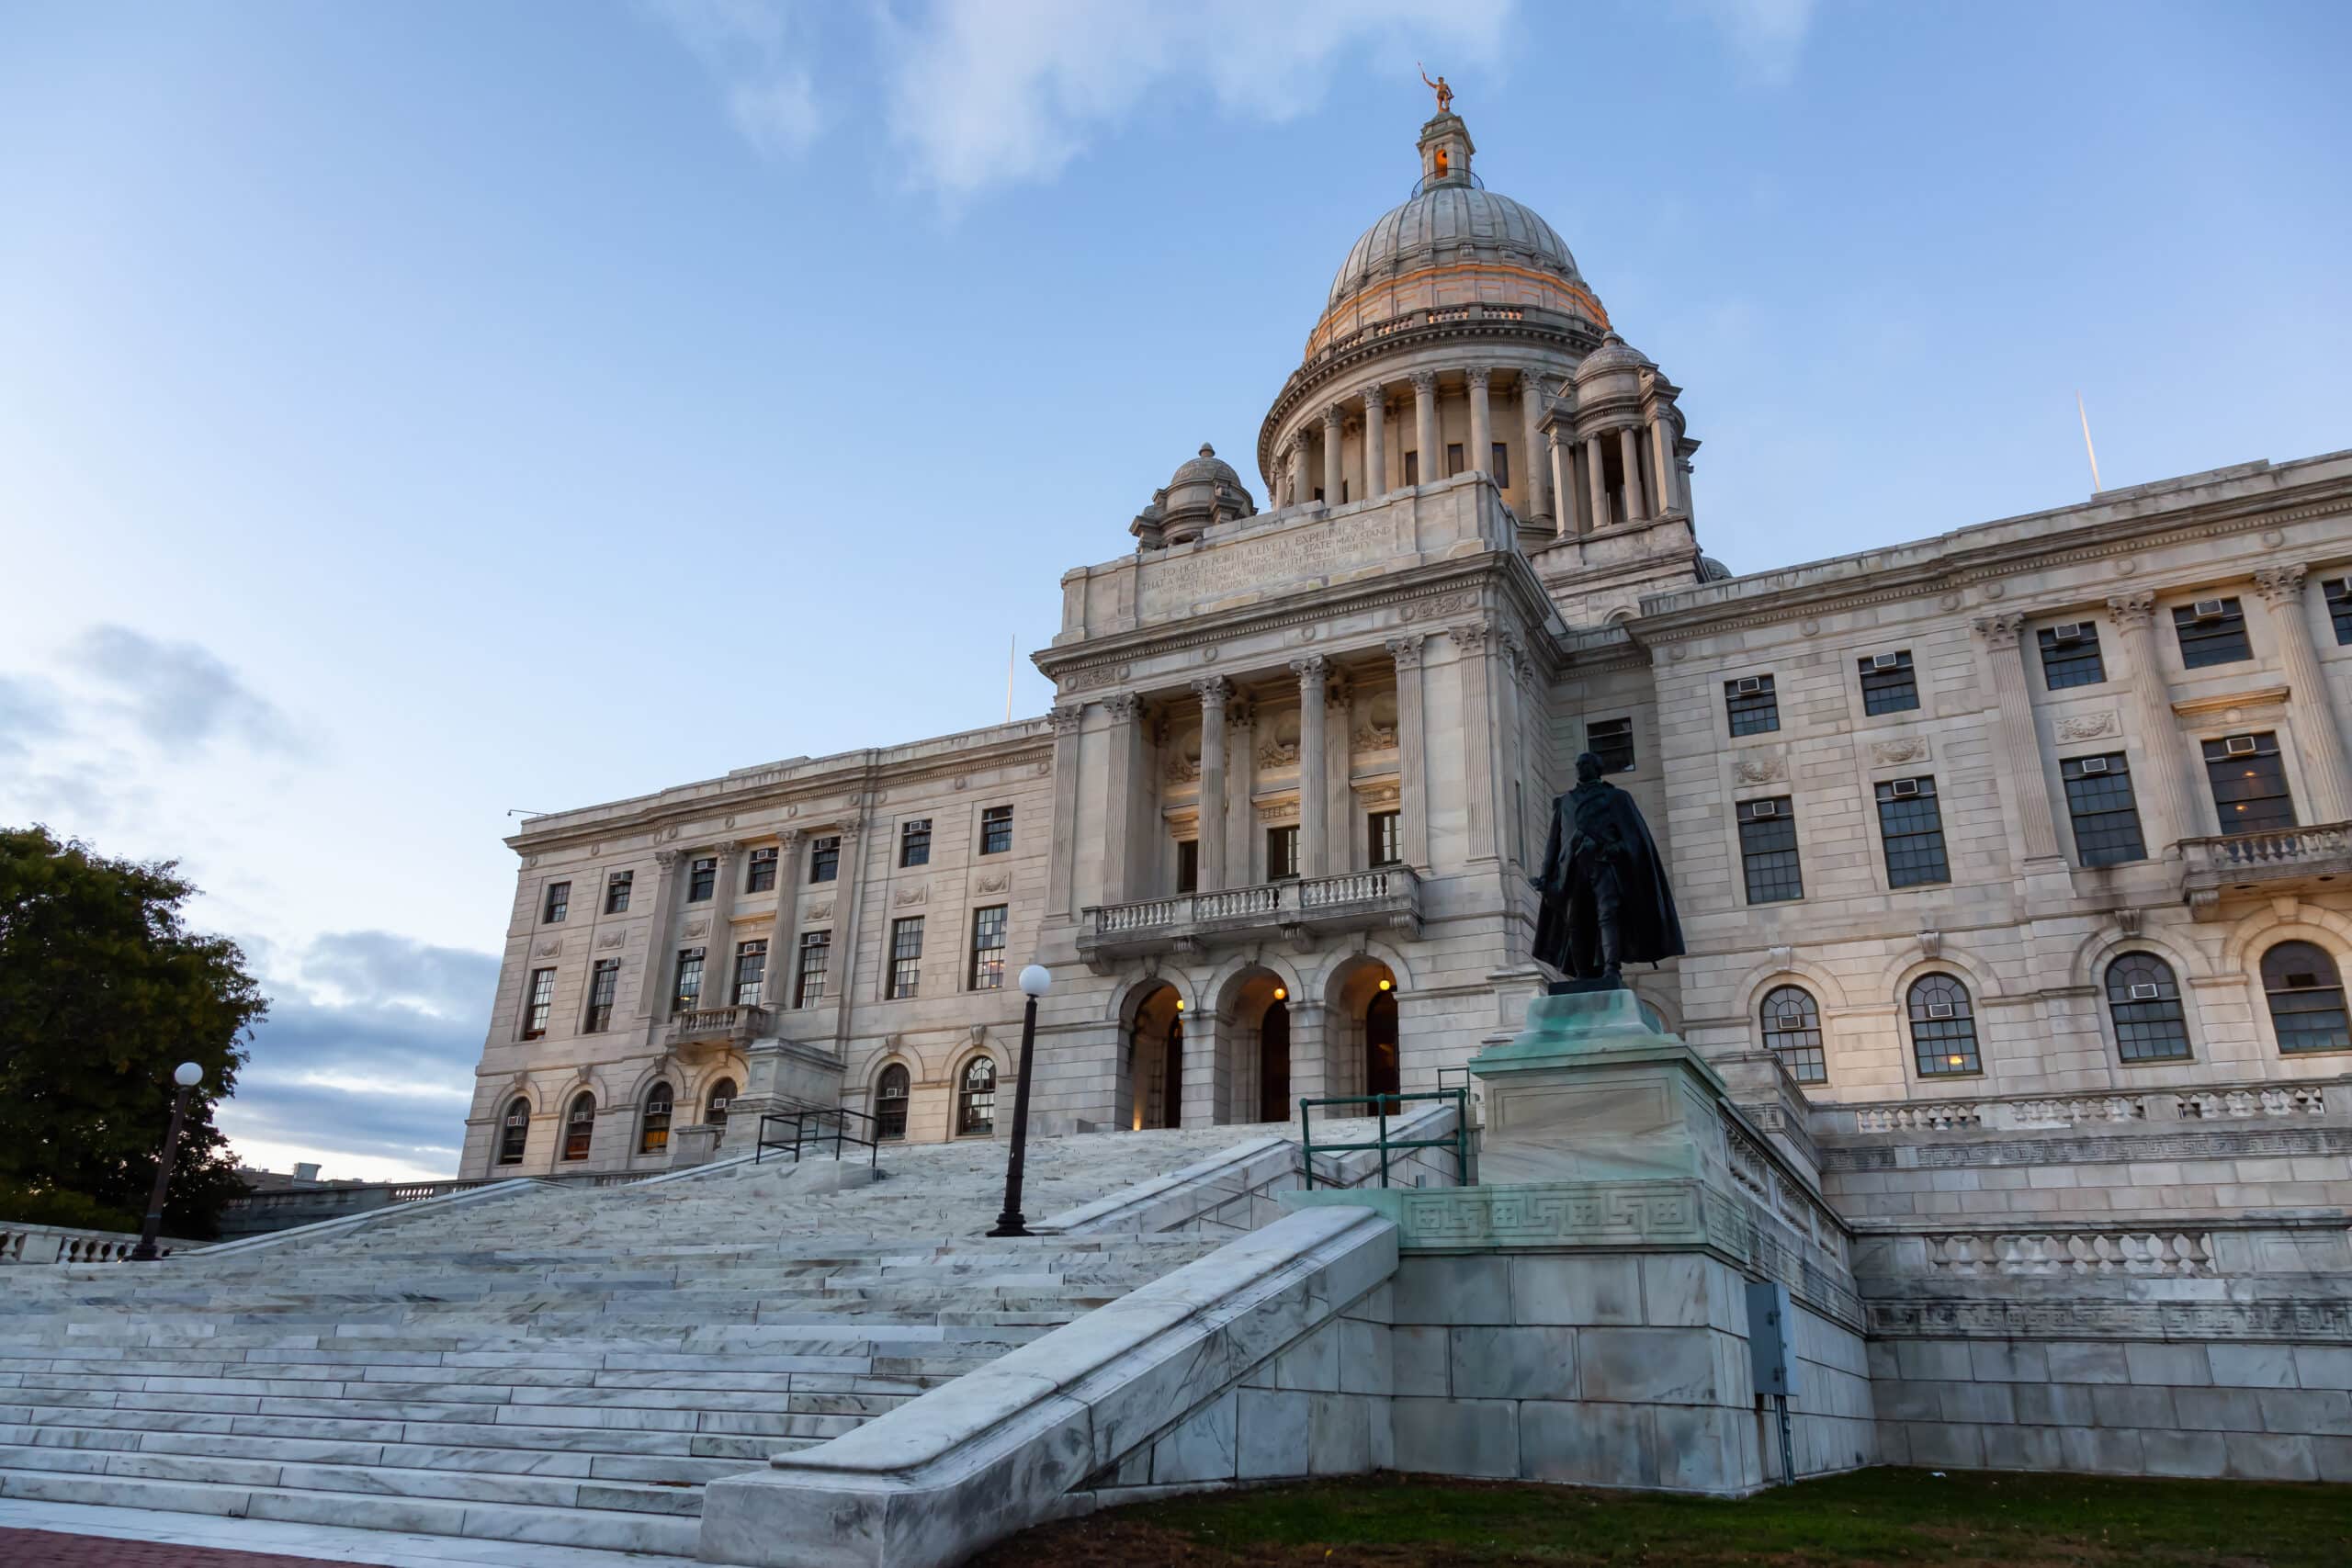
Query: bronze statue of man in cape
{"type": "Point", "coordinates": [1605, 898]}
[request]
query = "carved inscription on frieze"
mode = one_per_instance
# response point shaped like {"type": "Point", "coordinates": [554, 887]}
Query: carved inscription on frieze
{"type": "Point", "coordinates": [1316, 550]}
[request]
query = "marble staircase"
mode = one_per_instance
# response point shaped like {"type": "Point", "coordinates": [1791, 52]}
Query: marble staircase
{"type": "Point", "coordinates": [560, 1365]}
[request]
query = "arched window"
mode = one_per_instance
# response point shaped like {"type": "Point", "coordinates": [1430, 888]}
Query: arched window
{"type": "Point", "coordinates": [513, 1132]}
{"type": "Point", "coordinates": [579, 1126]}
{"type": "Point", "coordinates": [976, 1098]}
{"type": "Point", "coordinates": [722, 1095]}
{"type": "Point", "coordinates": [1793, 1033]}
{"type": "Point", "coordinates": [2144, 1001]}
{"type": "Point", "coordinates": [654, 1135]}
{"type": "Point", "coordinates": [2306, 996]}
{"type": "Point", "coordinates": [1943, 1027]}
{"type": "Point", "coordinates": [890, 1102]}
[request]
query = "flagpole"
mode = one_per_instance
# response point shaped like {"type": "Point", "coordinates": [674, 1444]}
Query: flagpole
{"type": "Point", "coordinates": [2089, 450]}
{"type": "Point", "coordinates": [1011, 656]}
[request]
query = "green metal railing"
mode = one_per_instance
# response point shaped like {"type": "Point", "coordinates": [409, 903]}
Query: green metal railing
{"type": "Point", "coordinates": [1383, 1105]}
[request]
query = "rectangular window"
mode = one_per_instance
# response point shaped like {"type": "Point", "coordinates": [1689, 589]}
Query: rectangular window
{"type": "Point", "coordinates": [542, 1003]}
{"type": "Point", "coordinates": [1612, 740]}
{"type": "Point", "coordinates": [687, 995]}
{"type": "Point", "coordinates": [1752, 704]}
{"type": "Point", "coordinates": [2339, 607]}
{"type": "Point", "coordinates": [996, 829]}
{"type": "Point", "coordinates": [1188, 865]}
{"type": "Point", "coordinates": [1768, 851]}
{"type": "Point", "coordinates": [1281, 852]}
{"type": "Point", "coordinates": [988, 948]}
{"type": "Point", "coordinates": [1912, 827]}
{"type": "Point", "coordinates": [702, 879]}
{"type": "Point", "coordinates": [906, 957]}
{"type": "Point", "coordinates": [2249, 784]}
{"type": "Point", "coordinates": [1888, 684]}
{"type": "Point", "coordinates": [604, 982]}
{"type": "Point", "coordinates": [761, 876]}
{"type": "Point", "coordinates": [816, 956]}
{"type": "Point", "coordinates": [2211, 631]}
{"type": "Point", "coordinates": [914, 843]}
{"type": "Point", "coordinates": [2070, 655]}
{"type": "Point", "coordinates": [1412, 468]}
{"type": "Point", "coordinates": [2106, 819]}
{"type": "Point", "coordinates": [558, 902]}
{"type": "Point", "coordinates": [617, 890]}
{"type": "Point", "coordinates": [1452, 458]}
{"type": "Point", "coordinates": [1385, 845]}
{"type": "Point", "coordinates": [1501, 464]}
{"type": "Point", "coordinates": [750, 971]}
{"type": "Point", "coordinates": [824, 859]}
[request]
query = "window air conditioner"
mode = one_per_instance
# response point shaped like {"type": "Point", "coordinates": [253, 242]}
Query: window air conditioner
{"type": "Point", "coordinates": [2072, 631]}
{"type": "Point", "coordinates": [2094, 765]}
{"type": "Point", "coordinates": [2207, 609]}
{"type": "Point", "coordinates": [1886, 661]}
{"type": "Point", "coordinates": [1750, 684]}
{"type": "Point", "coordinates": [1757, 808]}
{"type": "Point", "coordinates": [1940, 1009]}
{"type": "Point", "coordinates": [516, 1121]}
{"type": "Point", "coordinates": [2239, 745]}
{"type": "Point", "coordinates": [2143, 992]}
{"type": "Point", "coordinates": [1792, 1018]}
{"type": "Point", "coordinates": [720, 1104]}
{"type": "Point", "coordinates": [1903, 789]}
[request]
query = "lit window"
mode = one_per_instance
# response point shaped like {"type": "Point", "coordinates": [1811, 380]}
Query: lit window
{"type": "Point", "coordinates": [2249, 784]}
{"type": "Point", "coordinates": [1943, 1027]}
{"type": "Point", "coordinates": [580, 1127]}
{"type": "Point", "coordinates": [976, 1098]}
{"type": "Point", "coordinates": [653, 1128]}
{"type": "Point", "coordinates": [687, 995]}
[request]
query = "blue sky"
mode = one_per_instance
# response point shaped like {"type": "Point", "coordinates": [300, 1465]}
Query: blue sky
{"type": "Point", "coordinates": [412, 411]}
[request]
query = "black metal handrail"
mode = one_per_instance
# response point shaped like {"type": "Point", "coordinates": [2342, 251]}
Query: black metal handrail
{"type": "Point", "coordinates": [1382, 1105]}
{"type": "Point", "coordinates": [809, 1131]}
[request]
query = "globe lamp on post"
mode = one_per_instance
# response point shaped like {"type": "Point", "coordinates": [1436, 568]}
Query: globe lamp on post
{"type": "Point", "coordinates": [185, 1076]}
{"type": "Point", "coordinates": [1034, 981]}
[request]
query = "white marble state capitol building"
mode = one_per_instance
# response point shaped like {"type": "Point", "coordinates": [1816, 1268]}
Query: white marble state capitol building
{"type": "Point", "coordinates": [2013, 863]}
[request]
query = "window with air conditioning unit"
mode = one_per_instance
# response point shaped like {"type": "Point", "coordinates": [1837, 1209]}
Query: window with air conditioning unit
{"type": "Point", "coordinates": [1940, 1009]}
{"type": "Point", "coordinates": [2143, 992]}
{"type": "Point", "coordinates": [1886, 662]}
{"type": "Point", "coordinates": [1761, 808]}
{"type": "Point", "coordinates": [1904, 789]}
{"type": "Point", "coordinates": [2208, 610]}
{"type": "Point", "coordinates": [1750, 684]}
{"type": "Point", "coordinates": [2094, 765]}
{"type": "Point", "coordinates": [2238, 745]}
{"type": "Point", "coordinates": [2069, 631]}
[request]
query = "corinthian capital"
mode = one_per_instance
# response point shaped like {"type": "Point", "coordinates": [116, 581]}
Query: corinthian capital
{"type": "Point", "coordinates": [2280, 585]}
{"type": "Point", "coordinates": [1066, 717]}
{"type": "Point", "coordinates": [1311, 669]}
{"type": "Point", "coordinates": [1335, 416]}
{"type": "Point", "coordinates": [1213, 690]}
{"type": "Point", "coordinates": [1405, 650]}
{"type": "Point", "coordinates": [1472, 638]}
{"type": "Point", "coordinates": [2130, 610]}
{"type": "Point", "coordinates": [1424, 383]}
{"type": "Point", "coordinates": [1122, 706]}
{"type": "Point", "coordinates": [2000, 631]}
{"type": "Point", "coordinates": [1477, 374]}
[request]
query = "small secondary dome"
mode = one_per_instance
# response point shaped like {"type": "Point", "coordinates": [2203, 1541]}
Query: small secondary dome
{"type": "Point", "coordinates": [1614, 354]}
{"type": "Point", "coordinates": [1201, 493]}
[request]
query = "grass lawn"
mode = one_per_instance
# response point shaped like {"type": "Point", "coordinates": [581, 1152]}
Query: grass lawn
{"type": "Point", "coordinates": [1869, 1518]}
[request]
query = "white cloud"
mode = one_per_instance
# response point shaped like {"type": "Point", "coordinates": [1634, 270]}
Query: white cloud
{"type": "Point", "coordinates": [988, 93]}
{"type": "Point", "coordinates": [751, 48]}
{"type": "Point", "coordinates": [179, 694]}
{"type": "Point", "coordinates": [1765, 36]}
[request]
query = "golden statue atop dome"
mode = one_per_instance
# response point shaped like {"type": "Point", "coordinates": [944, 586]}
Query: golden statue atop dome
{"type": "Point", "coordinates": [1444, 94]}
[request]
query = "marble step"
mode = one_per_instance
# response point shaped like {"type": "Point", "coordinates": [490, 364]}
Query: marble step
{"type": "Point", "coordinates": [581, 1465]}
{"type": "Point", "coordinates": [716, 1436]}
{"type": "Point", "coordinates": [685, 1497]}
{"type": "Point", "coordinates": [609, 1530]}
{"type": "Point", "coordinates": [87, 1389]}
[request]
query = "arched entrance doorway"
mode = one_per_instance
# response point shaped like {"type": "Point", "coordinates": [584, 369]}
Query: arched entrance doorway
{"type": "Point", "coordinates": [1381, 1070]}
{"type": "Point", "coordinates": [1366, 1045]}
{"type": "Point", "coordinates": [1155, 1058]}
{"type": "Point", "coordinates": [1273, 1061]}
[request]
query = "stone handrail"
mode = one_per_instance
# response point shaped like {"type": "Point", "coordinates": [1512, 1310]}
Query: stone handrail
{"type": "Point", "coordinates": [65, 1244]}
{"type": "Point", "coordinates": [2270, 847]}
{"type": "Point", "coordinates": [1267, 903]}
{"type": "Point", "coordinates": [704, 1023]}
{"type": "Point", "coordinates": [2100, 1109]}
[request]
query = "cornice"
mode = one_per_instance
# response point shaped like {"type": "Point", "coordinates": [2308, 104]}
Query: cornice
{"type": "Point", "coordinates": [2221, 701]}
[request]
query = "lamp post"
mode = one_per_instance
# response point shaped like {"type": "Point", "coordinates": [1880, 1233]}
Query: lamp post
{"type": "Point", "coordinates": [187, 1075]}
{"type": "Point", "coordinates": [1033, 982]}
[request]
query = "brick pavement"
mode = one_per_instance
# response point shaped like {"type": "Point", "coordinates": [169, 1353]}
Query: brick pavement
{"type": "Point", "coordinates": [53, 1549]}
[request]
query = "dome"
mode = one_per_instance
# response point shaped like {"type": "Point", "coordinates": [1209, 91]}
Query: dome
{"type": "Point", "coordinates": [1207, 469]}
{"type": "Point", "coordinates": [1445, 225]}
{"type": "Point", "coordinates": [1201, 493]}
{"type": "Point", "coordinates": [1614, 354]}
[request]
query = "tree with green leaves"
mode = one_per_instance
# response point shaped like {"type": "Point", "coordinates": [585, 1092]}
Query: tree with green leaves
{"type": "Point", "coordinates": [103, 991]}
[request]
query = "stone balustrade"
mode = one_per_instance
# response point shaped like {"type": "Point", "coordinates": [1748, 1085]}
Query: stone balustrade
{"type": "Point", "coordinates": [728, 1025]}
{"type": "Point", "coordinates": [2241, 1101]}
{"type": "Point", "coordinates": [2278, 860]}
{"type": "Point", "coordinates": [2108, 1251]}
{"type": "Point", "coordinates": [1356, 900]}
{"type": "Point", "coordinates": [65, 1244]}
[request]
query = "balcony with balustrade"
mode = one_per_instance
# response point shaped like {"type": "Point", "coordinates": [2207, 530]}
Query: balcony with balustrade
{"type": "Point", "coordinates": [1302, 909]}
{"type": "Point", "coordinates": [736, 1026]}
{"type": "Point", "coordinates": [2278, 860]}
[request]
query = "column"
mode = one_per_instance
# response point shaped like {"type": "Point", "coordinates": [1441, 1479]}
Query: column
{"type": "Point", "coordinates": [1375, 443]}
{"type": "Point", "coordinates": [849, 937]}
{"type": "Point", "coordinates": [1597, 479]}
{"type": "Point", "coordinates": [1473, 644]}
{"type": "Point", "coordinates": [1561, 466]}
{"type": "Point", "coordinates": [1412, 779]}
{"type": "Point", "coordinates": [1629, 452]}
{"type": "Point", "coordinates": [2319, 736]}
{"type": "Point", "coordinates": [1482, 430]}
{"type": "Point", "coordinates": [783, 928]}
{"type": "Point", "coordinates": [660, 935]}
{"type": "Point", "coordinates": [2020, 747]}
{"type": "Point", "coordinates": [719, 942]}
{"type": "Point", "coordinates": [1241, 784]}
{"type": "Point", "coordinates": [1425, 433]}
{"type": "Point", "coordinates": [1118, 806]}
{"type": "Point", "coordinates": [2167, 795]}
{"type": "Point", "coordinates": [1297, 449]}
{"type": "Point", "coordinates": [1339, 836]}
{"type": "Point", "coordinates": [1213, 691]}
{"type": "Point", "coordinates": [1311, 672]}
{"type": "Point", "coordinates": [1667, 491]}
{"type": "Point", "coordinates": [1334, 448]}
{"type": "Point", "coordinates": [1059, 873]}
{"type": "Point", "coordinates": [1532, 405]}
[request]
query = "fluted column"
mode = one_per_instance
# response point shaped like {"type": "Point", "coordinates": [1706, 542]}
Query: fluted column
{"type": "Point", "coordinates": [1560, 464]}
{"type": "Point", "coordinates": [1482, 430]}
{"type": "Point", "coordinates": [1376, 444]}
{"type": "Point", "coordinates": [1213, 691]}
{"type": "Point", "coordinates": [1060, 872]}
{"type": "Point", "coordinates": [2020, 746]}
{"type": "Point", "coordinates": [1596, 474]}
{"type": "Point", "coordinates": [2166, 795]}
{"type": "Point", "coordinates": [787, 908]}
{"type": "Point", "coordinates": [1312, 672]}
{"type": "Point", "coordinates": [1536, 490]}
{"type": "Point", "coordinates": [1339, 807]}
{"type": "Point", "coordinates": [2318, 734]}
{"type": "Point", "coordinates": [1298, 491]}
{"type": "Point", "coordinates": [1334, 447]}
{"type": "Point", "coordinates": [849, 939]}
{"type": "Point", "coordinates": [1118, 847]}
{"type": "Point", "coordinates": [660, 935]}
{"type": "Point", "coordinates": [1474, 665]}
{"type": "Point", "coordinates": [1412, 769]}
{"type": "Point", "coordinates": [1665, 485]}
{"type": "Point", "coordinates": [1242, 786]}
{"type": "Point", "coordinates": [1629, 451]}
{"type": "Point", "coordinates": [1431, 458]}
